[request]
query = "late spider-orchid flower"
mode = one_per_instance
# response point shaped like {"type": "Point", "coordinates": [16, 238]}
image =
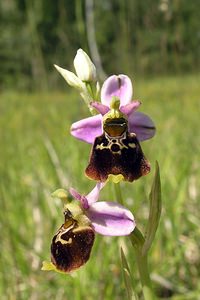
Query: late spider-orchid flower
{"type": "Point", "coordinates": [72, 244]}
{"type": "Point", "coordinates": [115, 133]}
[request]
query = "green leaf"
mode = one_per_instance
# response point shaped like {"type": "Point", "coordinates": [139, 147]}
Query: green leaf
{"type": "Point", "coordinates": [154, 212]}
{"type": "Point", "coordinates": [127, 278]}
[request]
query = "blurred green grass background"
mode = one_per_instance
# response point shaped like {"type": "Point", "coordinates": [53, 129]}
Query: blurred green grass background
{"type": "Point", "coordinates": [38, 155]}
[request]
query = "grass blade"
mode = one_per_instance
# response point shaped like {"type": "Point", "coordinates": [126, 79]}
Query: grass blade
{"type": "Point", "coordinates": [127, 278]}
{"type": "Point", "coordinates": [154, 212]}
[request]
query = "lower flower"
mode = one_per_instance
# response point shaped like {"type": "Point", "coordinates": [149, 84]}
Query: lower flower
{"type": "Point", "coordinates": [72, 244]}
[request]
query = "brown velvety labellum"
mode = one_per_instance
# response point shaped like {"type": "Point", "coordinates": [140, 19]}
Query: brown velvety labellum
{"type": "Point", "coordinates": [71, 246]}
{"type": "Point", "coordinates": [117, 155]}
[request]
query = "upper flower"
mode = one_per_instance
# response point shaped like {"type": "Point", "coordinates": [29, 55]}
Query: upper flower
{"type": "Point", "coordinates": [121, 87]}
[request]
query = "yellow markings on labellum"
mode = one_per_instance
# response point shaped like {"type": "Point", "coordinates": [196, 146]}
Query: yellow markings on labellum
{"type": "Point", "coordinates": [75, 225]}
{"type": "Point", "coordinates": [63, 242]}
{"type": "Point", "coordinates": [66, 228]}
{"type": "Point", "coordinates": [69, 224]}
{"type": "Point", "coordinates": [80, 228]}
{"type": "Point", "coordinates": [115, 145]}
{"type": "Point", "coordinates": [132, 145]}
{"type": "Point", "coordinates": [59, 237]}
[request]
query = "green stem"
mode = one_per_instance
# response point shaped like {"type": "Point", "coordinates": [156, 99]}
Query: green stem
{"type": "Point", "coordinates": [118, 193]}
{"type": "Point", "coordinates": [137, 240]}
{"type": "Point", "coordinates": [142, 263]}
{"type": "Point", "coordinates": [90, 89]}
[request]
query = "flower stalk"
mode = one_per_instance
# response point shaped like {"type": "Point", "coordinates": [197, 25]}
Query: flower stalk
{"type": "Point", "coordinates": [142, 245]}
{"type": "Point", "coordinates": [142, 263]}
{"type": "Point", "coordinates": [118, 193]}
{"type": "Point", "coordinates": [138, 240]}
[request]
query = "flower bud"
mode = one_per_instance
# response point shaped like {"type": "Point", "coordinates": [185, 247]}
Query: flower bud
{"type": "Point", "coordinates": [71, 78]}
{"type": "Point", "coordinates": [85, 69]}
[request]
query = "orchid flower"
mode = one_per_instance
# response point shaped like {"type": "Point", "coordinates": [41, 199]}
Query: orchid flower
{"type": "Point", "coordinates": [72, 244]}
{"type": "Point", "coordinates": [119, 86]}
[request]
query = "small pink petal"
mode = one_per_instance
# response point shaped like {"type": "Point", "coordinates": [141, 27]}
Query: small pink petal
{"type": "Point", "coordinates": [101, 108]}
{"type": "Point", "coordinates": [94, 194]}
{"type": "Point", "coordinates": [141, 125]}
{"type": "Point", "coordinates": [119, 86]}
{"type": "Point", "coordinates": [109, 218]}
{"type": "Point", "coordinates": [130, 108]}
{"type": "Point", "coordinates": [87, 129]}
{"type": "Point", "coordinates": [75, 194]}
